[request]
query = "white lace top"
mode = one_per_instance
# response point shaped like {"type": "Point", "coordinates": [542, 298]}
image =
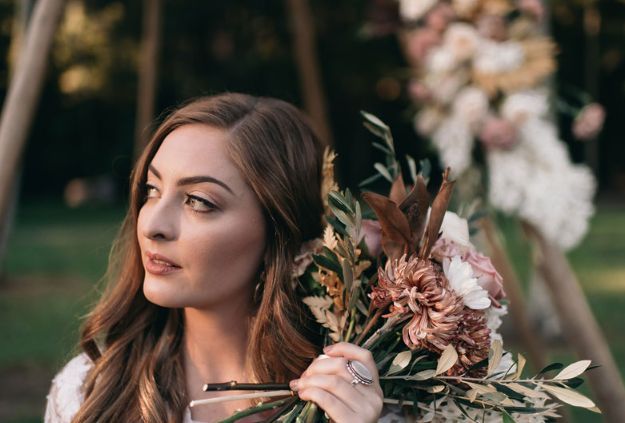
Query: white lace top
{"type": "Point", "coordinates": [66, 394]}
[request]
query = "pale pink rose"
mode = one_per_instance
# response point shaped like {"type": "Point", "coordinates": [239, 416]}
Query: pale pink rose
{"type": "Point", "coordinates": [439, 17]}
{"type": "Point", "coordinates": [493, 27]}
{"type": "Point", "coordinates": [486, 274]}
{"type": "Point", "coordinates": [420, 42]}
{"type": "Point", "coordinates": [371, 231]}
{"type": "Point", "coordinates": [462, 40]}
{"type": "Point", "coordinates": [533, 7]}
{"type": "Point", "coordinates": [498, 133]}
{"type": "Point", "coordinates": [418, 91]}
{"type": "Point", "coordinates": [304, 257]}
{"type": "Point", "coordinates": [589, 122]}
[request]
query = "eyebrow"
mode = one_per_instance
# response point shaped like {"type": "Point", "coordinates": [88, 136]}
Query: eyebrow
{"type": "Point", "coordinates": [190, 180]}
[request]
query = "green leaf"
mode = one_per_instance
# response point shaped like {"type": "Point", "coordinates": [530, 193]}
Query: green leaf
{"type": "Point", "coordinates": [383, 171]}
{"type": "Point", "coordinates": [328, 263]}
{"type": "Point", "coordinates": [506, 418]}
{"type": "Point", "coordinates": [423, 375]}
{"type": "Point", "coordinates": [339, 201]}
{"type": "Point", "coordinates": [370, 180]}
{"type": "Point", "coordinates": [412, 166]}
{"type": "Point", "coordinates": [400, 362]}
{"type": "Point", "coordinates": [573, 370]}
{"type": "Point", "coordinates": [382, 148]}
{"type": "Point", "coordinates": [549, 368]}
{"type": "Point", "coordinates": [448, 358]}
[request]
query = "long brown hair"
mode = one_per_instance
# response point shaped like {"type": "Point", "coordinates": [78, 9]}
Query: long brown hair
{"type": "Point", "coordinates": [136, 346]}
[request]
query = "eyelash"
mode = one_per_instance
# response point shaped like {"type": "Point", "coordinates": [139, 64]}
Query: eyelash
{"type": "Point", "coordinates": [203, 201]}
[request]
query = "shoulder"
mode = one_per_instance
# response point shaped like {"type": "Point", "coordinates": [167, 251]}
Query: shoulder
{"type": "Point", "coordinates": [66, 394]}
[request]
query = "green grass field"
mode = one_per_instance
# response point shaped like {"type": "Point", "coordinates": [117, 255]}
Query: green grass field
{"type": "Point", "coordinates": [56, 256]}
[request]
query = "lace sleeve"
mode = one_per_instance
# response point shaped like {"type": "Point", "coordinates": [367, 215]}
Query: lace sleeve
{"type": "Point", "coordinates": [66, 394]}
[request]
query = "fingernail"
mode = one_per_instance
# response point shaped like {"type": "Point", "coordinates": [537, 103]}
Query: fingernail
{"type": "Point", "coordinates": [293, 384]}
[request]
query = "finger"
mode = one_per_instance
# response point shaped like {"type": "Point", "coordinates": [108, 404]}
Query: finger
{"type": "Point", "coordinates": [353, 352]}
{"type": "Point", "coordinates": [335, 385]}
{"type": "Point", "coordinates": [330, 365]}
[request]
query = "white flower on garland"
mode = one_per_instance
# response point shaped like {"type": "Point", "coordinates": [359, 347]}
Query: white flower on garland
{"type": "Point", "coordinates": [454, 141]}
{"type": "Point", "coordinates": [471, 105]}
{"type": "Point", "coordinates": [460, 277]}
{"type": "Point", "coordinates": [493, 321]}
{"type": "Point", "coordinates": [440, 60]}
{"type": "Point", "coordinates": [412, 10]}
{"type": "Point", "coordinates": [522, 106]}
{"type": "Point", "coordinates": [537, 181]}
{"type": "Point", "coordinates": [461, 40]}
{"type": "Point", "coordinates": [495, 57]}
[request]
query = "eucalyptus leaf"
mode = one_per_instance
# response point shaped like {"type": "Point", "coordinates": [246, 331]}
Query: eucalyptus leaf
{"type": "Point", "coordinates": [448, 358]}
{"type": "Point", "coordinates": [569, 396]}
{"type": "Point", "coordinates": [400, 362]}
{"type": "Point", "coordinates": [383, 171]}
{"type": "Point", "coordinates": [494, 356]}
{"type": "Point", "coordinates": [573, 370]}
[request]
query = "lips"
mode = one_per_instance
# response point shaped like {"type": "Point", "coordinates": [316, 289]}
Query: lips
{"type": "Point", "coordinates": [159, 265]}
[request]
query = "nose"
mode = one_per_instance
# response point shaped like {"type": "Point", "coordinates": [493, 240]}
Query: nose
{"type": "Point", "coordinates": [158, 220]}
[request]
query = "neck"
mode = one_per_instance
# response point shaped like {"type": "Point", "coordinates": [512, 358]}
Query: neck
{"type": "Point", "coordinates": [215, 345]}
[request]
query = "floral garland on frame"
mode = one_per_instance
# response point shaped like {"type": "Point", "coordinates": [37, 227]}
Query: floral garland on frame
{"type": "Point", "coordinates": [479, 71]}
{"type": "Point", "coordinates": [411, 287]}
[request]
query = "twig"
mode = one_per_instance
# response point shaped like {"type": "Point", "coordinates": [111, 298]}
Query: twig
{"type": "Point", "coordinates": [233, 385]}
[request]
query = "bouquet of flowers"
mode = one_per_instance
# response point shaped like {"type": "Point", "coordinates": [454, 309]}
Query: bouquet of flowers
{"type": "Point", "coordinates": [410, 287]}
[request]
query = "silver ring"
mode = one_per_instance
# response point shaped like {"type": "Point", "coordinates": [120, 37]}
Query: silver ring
{"type": "Point", "coordinates": [359, 372]}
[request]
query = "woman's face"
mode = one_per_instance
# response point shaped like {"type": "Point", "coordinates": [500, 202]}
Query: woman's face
{"type": "Point", "coordinates": [201, 229]}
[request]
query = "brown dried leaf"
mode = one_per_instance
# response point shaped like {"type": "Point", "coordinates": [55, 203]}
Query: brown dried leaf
{"type": "Point", "coordinates": [415, 207]}
{"type": "Point", "coordinates": [439, 207]}
{"type": "Point", "coordinates": [398, 190]}
{"type": "Point", "coordinates": [395, 228]}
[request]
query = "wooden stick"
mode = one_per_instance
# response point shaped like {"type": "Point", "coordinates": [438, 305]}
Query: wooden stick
{"type": "Point", "coordinates": [23, 94]}
{"type": "Point", "coordinates": [535, 349]}
{"type": "Point", "coordinates": [580, 327]}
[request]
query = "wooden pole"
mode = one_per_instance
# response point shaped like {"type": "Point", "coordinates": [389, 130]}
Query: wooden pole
{"type": "Point", "coordinates": [23, 94]}
{"type": "Point", "coordinates": [530, 340]}
{"type": "Point", "coordinates": [580, 327]}
{"type": "Point", "coordinates": [304, 49]}
{"type": "Point", "coordinates": [148, 72]}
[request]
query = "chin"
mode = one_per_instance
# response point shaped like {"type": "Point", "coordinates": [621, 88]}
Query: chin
{"type": "Point", "coordinates": [162, 295]}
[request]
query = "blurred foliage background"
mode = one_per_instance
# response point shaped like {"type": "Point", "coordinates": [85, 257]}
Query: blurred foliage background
{"type": "Point", "coordinates": [85, 125]}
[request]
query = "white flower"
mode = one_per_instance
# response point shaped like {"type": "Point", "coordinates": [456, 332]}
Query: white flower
{"type": "Point", "coordinates": [455, 229]}
{"type": "Point", "coordinates": [522, 106]}
{"type": "Point", "coordinates": [471, 105]}
{"type": "Point", "coordinates": [537, 182]}
{"type": "Point", "coordinates": [440, 60]}
{"type": "Point", "coordinates": [454, 141]}
{"type": "Point", "coordinates": [461, 40]}
{"type": "Point", "coordinates": [493, 321]}
{"type": "Point", "coordinates": [444, 87]}
{"type": "Point", "coordinates": [412, 10]}
{"type": "Point", "coordinates": [427, 120]}
{"type": "Point", "coordinates": [494, 57]}
{"type": "Point", "coordinates": [460, 277]}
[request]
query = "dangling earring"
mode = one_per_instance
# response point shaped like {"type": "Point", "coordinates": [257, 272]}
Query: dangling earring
{"type": "Point", "coordinates": [259, 287]}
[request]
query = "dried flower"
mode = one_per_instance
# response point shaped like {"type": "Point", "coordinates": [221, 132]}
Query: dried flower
{"type": "Point", "coordinates": [439, 17]}
{"type": "Point", "coordinates": [462, 40]}
{"type": "Point", "coordinates": [472, 342]}
{"type": "Point", "coordinates": [589, 122]}
{"type": "Point", "coordinates": [419, 287]}
{"type": "Point", "coordinates": [419, 43]}
{"type": "Point", "coordinates": [412, 10]}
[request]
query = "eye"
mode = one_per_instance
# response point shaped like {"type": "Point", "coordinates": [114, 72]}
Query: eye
{"type": "Point", "coordinates": [150, 191]}
{"type": "Point", "coordinates": [199, 204]}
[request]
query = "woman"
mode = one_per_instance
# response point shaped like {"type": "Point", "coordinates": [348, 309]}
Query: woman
{"type": "Point", "coordinates": [222, 199]}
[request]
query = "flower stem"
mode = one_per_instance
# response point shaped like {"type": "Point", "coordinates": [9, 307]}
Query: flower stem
{"type": "Point", "coordinates": [263, 394]}
{"type": "Point", "coordinates": [259, 408]}
{"type": "Point", "coordinates": [233, 385]}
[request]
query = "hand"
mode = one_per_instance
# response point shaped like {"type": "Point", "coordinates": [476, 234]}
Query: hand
{"type": "Point", "coordinates": [327, 383]}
